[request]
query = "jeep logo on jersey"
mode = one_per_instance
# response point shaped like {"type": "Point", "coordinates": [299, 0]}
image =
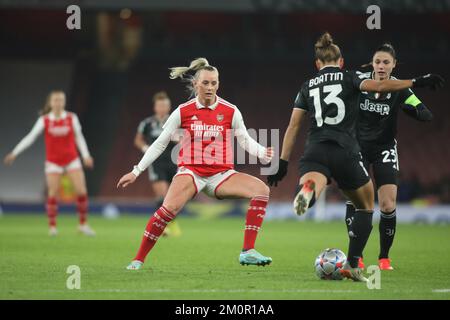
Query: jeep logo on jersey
{"type": "Point", "coordinates": [382, 109]}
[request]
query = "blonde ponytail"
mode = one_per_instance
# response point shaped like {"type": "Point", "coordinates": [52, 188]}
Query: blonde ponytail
{"type": "Point", "coordinates": [197, 64]}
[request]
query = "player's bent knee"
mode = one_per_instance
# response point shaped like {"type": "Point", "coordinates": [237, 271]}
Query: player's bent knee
{"type": "Point", "coordinates": [261, 190]}
{"type": "Point", "coordinates": [387, 205]}
{"type": "Point", "coordinates": [265, 190]}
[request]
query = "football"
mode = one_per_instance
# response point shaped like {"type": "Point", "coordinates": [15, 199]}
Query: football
{"type": "Point", "coordinates": [328, 263]}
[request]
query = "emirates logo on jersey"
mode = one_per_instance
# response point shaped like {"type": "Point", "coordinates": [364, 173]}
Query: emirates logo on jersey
{"type": "Point", "coordinates": [220, 117]}
{"type": "Point", "coordinates": [59, 131]}
{"type": "Point", "coordinates": [206, 130]}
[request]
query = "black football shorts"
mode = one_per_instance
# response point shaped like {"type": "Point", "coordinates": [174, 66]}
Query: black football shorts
{"type": "Point", "coordinates": [333, 161]}
{"type": "Point", "coordinates": [384, 161]}
{"type": "Point", "coordinates": [162, 171]}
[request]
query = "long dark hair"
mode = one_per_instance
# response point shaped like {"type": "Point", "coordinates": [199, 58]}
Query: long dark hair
{"type": "Point", "coordinates": [385, 47]}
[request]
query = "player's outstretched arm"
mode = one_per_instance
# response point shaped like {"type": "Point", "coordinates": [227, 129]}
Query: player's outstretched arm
{"type": "Point", "coordinates": [247, 142]}
{"type": "Point", "coordinates": [291, 133]}
{"type": "Point", "coordinates": [288, 145]}
{"type": "Point", "coordinates": [414, 108]}
{"type": "Point", "coordinates": [431, 81]}
{"type": "Point", "coordinates": [26, 142]}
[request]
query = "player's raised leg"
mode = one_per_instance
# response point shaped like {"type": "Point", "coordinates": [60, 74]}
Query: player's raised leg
{"type": "Point", "coordinates": [181, 190]}
{"type": "Point", "coordinates": [79, 182]}
{"type": "Point", "coordinates": [241, 185]}
{"type": "Point", "coordinates": [311, 185]}
{"type": "Point", "coordinates": [387, 196]}
{"type": "Point", "coordinates": [53, 182]}
{"type": "Point", "coordinates": [363, 200]}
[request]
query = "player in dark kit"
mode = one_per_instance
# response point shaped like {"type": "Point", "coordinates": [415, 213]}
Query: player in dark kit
{"type": "Point", "coordinates": [377, 128]}
{"type": "Point", "coordinates": [332, 149]}
{"type": "Point", "coordinates": [161, 172]}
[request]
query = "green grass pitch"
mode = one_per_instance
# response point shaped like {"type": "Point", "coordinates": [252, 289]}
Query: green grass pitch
{"type": "Point", "coordinates": [203, 262]}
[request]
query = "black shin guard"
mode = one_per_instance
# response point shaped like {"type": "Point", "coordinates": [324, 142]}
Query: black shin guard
{"type": "Point", "coordinates": [349, 215]}
{"type": "Point", "coordinates": [388, 222]}
{"type": "Point", "coordinates": [361, 228]}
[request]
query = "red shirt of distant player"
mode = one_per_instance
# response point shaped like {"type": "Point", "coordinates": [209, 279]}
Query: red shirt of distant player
{"type": "Point", "coordinates": [62, 136]}
{"type": "Point", "coordinates": [60, 143]}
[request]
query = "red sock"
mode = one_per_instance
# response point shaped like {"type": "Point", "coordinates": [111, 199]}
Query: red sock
{"type": "Point", "coordinates": [82, 207]}
{"type": "Point", "coordinates": [255, 217]}
{"type": "Point", "coordinates": [52, 211]}
{"type": "Point", "coordinates": [154, 229]}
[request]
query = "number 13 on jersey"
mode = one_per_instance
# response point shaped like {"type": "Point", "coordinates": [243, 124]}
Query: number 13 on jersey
{"type": "Point", "coordinates": [332, 92]}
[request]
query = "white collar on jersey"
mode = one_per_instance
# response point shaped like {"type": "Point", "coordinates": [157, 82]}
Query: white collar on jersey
{"type": "Point", "coordinates": [212, 107]}
{"type": "Point", "coordinates": [52, 116]}
{"type": "Point", "coordinates": [328, 66]}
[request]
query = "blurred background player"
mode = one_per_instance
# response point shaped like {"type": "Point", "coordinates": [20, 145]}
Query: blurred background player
{"type": "Point", "coordinates": [205, 161]}
{"type": "Point", "coordinates": [331, 150]}
{"type": "Point", "coordinates": [377, 129]}
{"type": "Point", "coordinates": [63, 135]}
{"type": "Point", "coordinates": [162, 170]}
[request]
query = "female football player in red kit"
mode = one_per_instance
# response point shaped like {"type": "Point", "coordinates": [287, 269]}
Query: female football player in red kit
{"type": "Point", "coordinates": [63, 135]}
{"type": "Point", "coordinates": [205, 161]}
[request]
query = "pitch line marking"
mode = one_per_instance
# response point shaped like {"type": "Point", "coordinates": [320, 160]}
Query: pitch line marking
{"type": "Point", "coordinates": [194, 291]}
{"type": "Point", "coordinates": [440, 290]}
{"type": "Point", "coordinates": [211, 291]}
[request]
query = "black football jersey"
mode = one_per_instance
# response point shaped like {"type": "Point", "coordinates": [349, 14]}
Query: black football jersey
{"type": "Point", "coordinates": [331, 98]}
{"type": "Point", "coordinates": [378, 115]}
{"type": "Point", "coordinates": [151, 128]}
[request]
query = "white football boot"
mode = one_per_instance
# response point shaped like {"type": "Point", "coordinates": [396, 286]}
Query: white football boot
{"type": "Point", "coordinates": [352, 273]}
{"type": "Point", "coordinates": [303, 197]}
{"type": "Point", "coordinates": [86, 230]}
{"type": "Point", "coordinates": [52, 232]}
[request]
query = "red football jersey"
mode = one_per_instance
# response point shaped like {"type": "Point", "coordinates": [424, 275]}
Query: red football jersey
{"type": "Point", "coordinates": [60, 145]}
{"type": "Point", "coordinates": [207, 145]}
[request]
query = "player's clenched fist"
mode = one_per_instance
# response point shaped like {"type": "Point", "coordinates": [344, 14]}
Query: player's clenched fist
{"type": "Point", "coordinates": [268, 155]}
{"type": "Point", "coordinates": [126, 180]}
